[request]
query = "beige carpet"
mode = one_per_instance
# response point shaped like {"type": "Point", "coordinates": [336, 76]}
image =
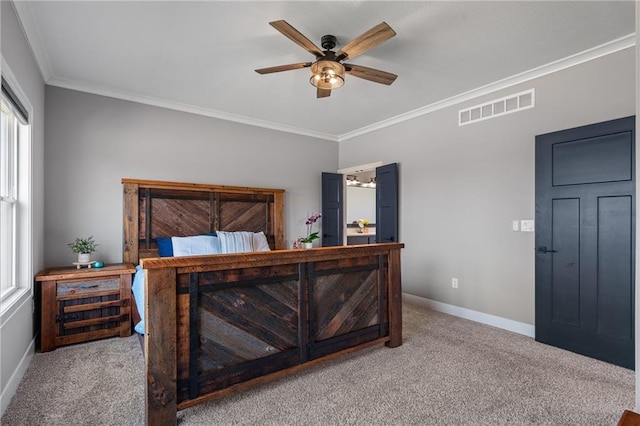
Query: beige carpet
{"type": "Point", "coordinates": [449, 371]}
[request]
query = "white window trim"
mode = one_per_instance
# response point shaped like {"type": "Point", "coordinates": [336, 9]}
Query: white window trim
{"type": "Point", "coordinates": [24, 272]}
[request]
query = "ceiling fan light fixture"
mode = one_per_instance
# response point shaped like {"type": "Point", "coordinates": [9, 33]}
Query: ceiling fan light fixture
{"type": "Point", "coordinates": [327, 74]}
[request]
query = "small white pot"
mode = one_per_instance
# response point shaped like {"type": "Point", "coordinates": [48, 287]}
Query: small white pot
{"type": "Point", "coordinates": [84, 257]}
{"type": "Point", "coordinates": [307, 245]}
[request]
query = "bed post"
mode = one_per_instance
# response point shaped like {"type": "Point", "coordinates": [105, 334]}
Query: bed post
{"type": "Point", "coordinates": [160, 347]}
{"type": "Point", "coordinates": [278, 220]}
{"type": "Point", "coordinates": [395, 299]}
{"type": "Point", "coordinates": [131, 223]}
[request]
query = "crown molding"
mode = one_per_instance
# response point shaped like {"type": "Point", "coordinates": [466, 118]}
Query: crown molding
{"type": "Point", "coordinates": [32, 34]}
{"type": "Point", "coordinates": [617, 45]}
{"type": "Point", "coordinates": [614, 46]}
{"type": "Point", "coordinates": [30, 29]}
{"type": "Point", "coordinates": [177, 106]}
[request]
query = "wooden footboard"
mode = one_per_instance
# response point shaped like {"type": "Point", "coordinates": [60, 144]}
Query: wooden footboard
{"type": "Point", "coordinates": [217, 324]}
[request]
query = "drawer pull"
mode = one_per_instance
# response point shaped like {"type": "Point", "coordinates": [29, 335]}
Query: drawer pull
{"type": "Point", "coordinates": [97, 305]}
{"type": "Point", "coordinates": [89, 285]}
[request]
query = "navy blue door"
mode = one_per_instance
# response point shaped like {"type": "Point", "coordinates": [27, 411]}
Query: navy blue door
{"type": "Point", "coordinates": [585, 225]}
{"type": "Point", "coordinates": [332, 208]}
{"type": "Point", "coordinates": [387, 203]}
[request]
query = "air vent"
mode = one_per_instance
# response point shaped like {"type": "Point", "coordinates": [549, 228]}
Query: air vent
{"type": "Point", "coordinates": [495, 108]}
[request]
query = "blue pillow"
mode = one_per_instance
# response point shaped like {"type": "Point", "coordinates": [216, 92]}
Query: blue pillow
{"type": "Point", "coordinates": [165, 246]}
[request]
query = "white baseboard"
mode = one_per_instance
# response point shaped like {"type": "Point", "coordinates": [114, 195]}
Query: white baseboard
{"type": "Point", "coordinates": [12, 385]}
{"type": "Point", "coordinates": [492, 320]}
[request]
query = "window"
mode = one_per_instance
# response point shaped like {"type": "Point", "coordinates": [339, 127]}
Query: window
{"type": "Point", "coordinates": [15, 165]}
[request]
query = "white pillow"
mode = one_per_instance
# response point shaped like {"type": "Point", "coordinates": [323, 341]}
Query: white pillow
{"type": "Point", "coordinates": [260, 242]}
{"type": "Point", "coordinates": [195, 245]}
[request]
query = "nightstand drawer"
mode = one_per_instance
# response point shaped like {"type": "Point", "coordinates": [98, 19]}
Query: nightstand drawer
{"type": "Point", "coordinates": [89, 286]}
{"type": "Point", "coordinates": [88, 314]}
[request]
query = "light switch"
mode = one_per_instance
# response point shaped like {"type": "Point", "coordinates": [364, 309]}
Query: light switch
{"type": "Point", "coordinates": [526, 226]}
{"type": "Point", "coordinates": [515, 225]}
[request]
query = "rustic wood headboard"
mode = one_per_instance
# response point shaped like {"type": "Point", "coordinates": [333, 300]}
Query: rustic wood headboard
{"type": "Point", "coordinates": [155, 209]}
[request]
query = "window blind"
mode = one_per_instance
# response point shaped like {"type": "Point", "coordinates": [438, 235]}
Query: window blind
{"type": "Point", "coordinates": [21, 111]}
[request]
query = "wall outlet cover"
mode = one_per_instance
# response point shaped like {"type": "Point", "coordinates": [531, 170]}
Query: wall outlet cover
{"type": "Point", "coordinates": [526, 226]}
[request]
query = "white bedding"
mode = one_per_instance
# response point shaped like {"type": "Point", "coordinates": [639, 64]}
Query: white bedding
{"type": "Point", "coordinates": [235, 242]}
{"type": "Point", "coordinates": [137, 288]}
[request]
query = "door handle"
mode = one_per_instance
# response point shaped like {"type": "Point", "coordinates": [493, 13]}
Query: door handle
{"type": "Point", "coordinates": [544, 249]}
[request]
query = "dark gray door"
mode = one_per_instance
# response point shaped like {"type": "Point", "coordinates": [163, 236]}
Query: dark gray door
{"type": "Point", "coordinates": [332, 208]}
{"type": "Point", "coordinates": [387, 203]}
{"type": "Point", "coordinates": [585, 222]}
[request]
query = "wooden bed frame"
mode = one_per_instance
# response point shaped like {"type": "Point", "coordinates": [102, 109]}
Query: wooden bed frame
{"type": "Point", "coordinates": [155, 209]}
{"type": "Point", "coordinates": [222, 323]}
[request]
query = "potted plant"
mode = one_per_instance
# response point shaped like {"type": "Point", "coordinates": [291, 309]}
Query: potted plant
{"type": "Point", "coordinates": [307, 241]}
{"type": "Point", "coordinates": [83, 247]}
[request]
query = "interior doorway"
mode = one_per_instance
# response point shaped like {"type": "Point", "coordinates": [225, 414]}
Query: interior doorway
{"type": "Point", "coordinates": [334, 227]}
{"type": "Point", "coordinates": [360, 203]}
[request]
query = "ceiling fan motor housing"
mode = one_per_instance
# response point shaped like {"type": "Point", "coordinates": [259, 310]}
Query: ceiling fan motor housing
{"type": "Point", "coordinates": [328, 41]}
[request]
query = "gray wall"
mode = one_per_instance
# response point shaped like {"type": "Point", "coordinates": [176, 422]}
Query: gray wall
{"type": "Point", "coordinates": [16, 327]}
{"type": "Point", "coordinates": [460, 187]}
{"type": "Point", "coordinates": [94, 141]}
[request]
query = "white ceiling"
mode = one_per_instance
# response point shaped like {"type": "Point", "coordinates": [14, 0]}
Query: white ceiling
{"type": "Point", "coordinates": [201, 56]}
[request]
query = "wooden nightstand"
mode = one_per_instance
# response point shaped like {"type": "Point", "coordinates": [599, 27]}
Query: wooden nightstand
{"type": "Point", "coordinates": [84, 304]}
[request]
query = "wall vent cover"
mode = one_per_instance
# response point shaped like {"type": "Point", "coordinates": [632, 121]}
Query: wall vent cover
{"type": "Point", "coordinates": [507, 105]}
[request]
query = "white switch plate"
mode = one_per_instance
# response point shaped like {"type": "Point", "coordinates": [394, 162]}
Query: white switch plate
{"type": "Point", "coordinates": [526, 226]}
{"type": "Point", "coordinates": [454, 282]}
{"type": "Point", "coordinates": [515, 225]}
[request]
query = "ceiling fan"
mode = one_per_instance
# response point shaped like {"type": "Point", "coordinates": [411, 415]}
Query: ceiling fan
{"type": "Point", "coordinates": [328, 71]}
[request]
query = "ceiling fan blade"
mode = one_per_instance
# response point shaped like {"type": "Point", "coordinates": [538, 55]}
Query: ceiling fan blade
{"type": "Point", "coordinates": [375, 36]}
{"type": "Point", "coordinates": [370, 74]}
{"type": "Point", "coordinates": [323, 93]}
{"type": "Point", "coordinates": [297, 37]}
{"type": "Point", "coordinates": [283, 68]}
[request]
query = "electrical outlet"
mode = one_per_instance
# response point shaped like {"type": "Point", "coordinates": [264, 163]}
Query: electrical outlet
{"type": "Point", "coordinates": [454, 282]}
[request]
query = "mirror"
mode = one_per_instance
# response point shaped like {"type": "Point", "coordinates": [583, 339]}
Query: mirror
{"type": "Point", "coordinates": [361, 204]}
